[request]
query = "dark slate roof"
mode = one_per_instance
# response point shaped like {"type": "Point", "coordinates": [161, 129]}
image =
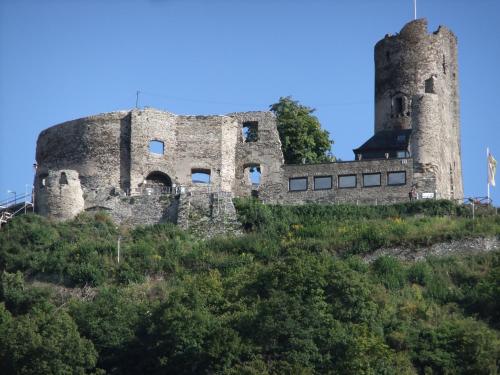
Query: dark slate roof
{"type": "Point", "coordinates": [386, 140]}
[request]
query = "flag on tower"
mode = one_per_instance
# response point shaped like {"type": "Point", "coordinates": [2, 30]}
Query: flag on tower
{"type": "Point", "coordinates": [492, 169]}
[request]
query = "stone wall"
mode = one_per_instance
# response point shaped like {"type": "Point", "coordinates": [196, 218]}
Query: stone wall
{"type": "Point", "coordinates": [264, 152]}
{"type": "Point", "coordinates": [208, 214]}
{"type": "Point", "coordinates": [467, 246]}
{"type": "Point", "coordinates": [382, 194]}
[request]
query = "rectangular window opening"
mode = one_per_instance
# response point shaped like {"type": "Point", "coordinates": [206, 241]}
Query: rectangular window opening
{"type": "Point", "coordinates": [63, 180]}
{"type": "Point", "coordinates": [297, 184]}
{"type": "Point", "coordinates": [200, 176]}
{"type": "Point", "coordinates": [348, 181]}
{"type": "Point", "coordinates": [250, 131]}
{"type": "Point", "coordinates": [398, 106]}
{"type": "Point", "coordinates": [396, 178]}
{"type": "Point", "coordinates": [322, 182]}
{"type": "Point", "coordinates": [156, 147]}
{"type": "Point", "coordinates": [429, 86]}
{"type": "Point", "coordinates": [371, 179]}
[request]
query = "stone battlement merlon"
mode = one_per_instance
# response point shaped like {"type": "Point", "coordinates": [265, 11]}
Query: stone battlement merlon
{"type": "Point", "coordinates": [417, 30]}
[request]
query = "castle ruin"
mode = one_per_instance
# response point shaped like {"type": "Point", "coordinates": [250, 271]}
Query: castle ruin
{"type": "Point", "coordinates": [146, 166]}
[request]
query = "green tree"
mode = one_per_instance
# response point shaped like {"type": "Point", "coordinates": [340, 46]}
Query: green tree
{"type": "Point", "coordinates": [302, 139]}
{"type": "Point", "coordinates": [44, 341]}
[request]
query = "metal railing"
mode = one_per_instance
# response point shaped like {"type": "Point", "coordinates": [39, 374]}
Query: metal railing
{"type": "Point", "coordinates": [172, 190]}
{"type": "Point", "coordinates": [12, 207]}
{"type": "Point", "coordinates": [7, 202]}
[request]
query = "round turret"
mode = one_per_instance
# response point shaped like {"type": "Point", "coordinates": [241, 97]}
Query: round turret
{"type": "Point", "coordinates": [59, 194]}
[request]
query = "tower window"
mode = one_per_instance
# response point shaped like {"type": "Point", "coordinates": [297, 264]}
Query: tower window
{"type": "Point", "coordinates": [398, 106]}
{"type": "Point", "coordinates": [444, 64]}
{"type": "Point", "coordinates": [63, 180]}
{"type": "Point", "coordinates": [430, 86]}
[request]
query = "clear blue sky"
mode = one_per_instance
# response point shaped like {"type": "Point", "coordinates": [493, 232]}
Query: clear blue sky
{"type": "Point", "coordinates": [64, 59]}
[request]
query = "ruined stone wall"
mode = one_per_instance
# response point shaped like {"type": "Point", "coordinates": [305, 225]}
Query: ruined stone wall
{"type": "Point", "coordinates": [145, 126]}
{"type": "Point", "coordinates": [111, 154]}
{"type": "Point", "coordinates": [382, 194]}
{"type": "Point", "coordinates": [89, 145]}
{"type": "Point", "coordinates": [416, 86]}
{"type": "Point", "coordinates": [208, 214]}
{"type": "Point", "coordinates": [264, 152]}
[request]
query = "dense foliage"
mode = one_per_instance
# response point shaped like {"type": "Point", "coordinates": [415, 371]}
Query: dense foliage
{"type": "Point", "coordinates": [302, 139]}
{"type": "Point", "coordinates": [291, 296]}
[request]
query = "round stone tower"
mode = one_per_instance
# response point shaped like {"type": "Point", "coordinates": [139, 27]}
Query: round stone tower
{"type": "Point", "coordinates": [59, 194]}
{"type": "Point", "coordinates": [416, 87]}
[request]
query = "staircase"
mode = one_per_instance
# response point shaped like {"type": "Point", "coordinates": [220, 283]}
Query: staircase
{"type": "Point", "coordinates": [9, 208]}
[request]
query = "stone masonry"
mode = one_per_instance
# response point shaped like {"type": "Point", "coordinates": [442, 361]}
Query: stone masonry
{"type": "Point", "coordinates": [146, 166]}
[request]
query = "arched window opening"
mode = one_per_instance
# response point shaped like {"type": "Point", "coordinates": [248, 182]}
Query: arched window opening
{"type": "Point", "coordinates": [156, 147]}
{"type": "Point", "coordinates": [157, 182]}
{"type": "Point", "coordinates": [400, 106]}
{"type": "Point", "coordinates": [63, 180]}
{"type": "Point", "coordinates": [200, 176]}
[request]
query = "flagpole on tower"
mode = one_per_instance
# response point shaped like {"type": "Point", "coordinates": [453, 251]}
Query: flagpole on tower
{"type": "Point", "coordinates": [415, 9]}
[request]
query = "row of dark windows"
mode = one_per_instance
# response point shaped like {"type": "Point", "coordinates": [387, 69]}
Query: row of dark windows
{"type": "Point", "coordinates": [346, 181]}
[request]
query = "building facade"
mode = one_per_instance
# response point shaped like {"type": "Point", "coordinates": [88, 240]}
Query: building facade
{"type": "Point", "coordinates": [146, 166]}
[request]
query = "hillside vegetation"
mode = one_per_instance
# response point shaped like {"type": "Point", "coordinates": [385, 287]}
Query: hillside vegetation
{"type": "Point", "coordinates": [290, 296]}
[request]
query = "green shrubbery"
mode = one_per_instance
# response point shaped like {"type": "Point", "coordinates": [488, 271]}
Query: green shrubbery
{"type": "Point", "coordinates": [290, 296]}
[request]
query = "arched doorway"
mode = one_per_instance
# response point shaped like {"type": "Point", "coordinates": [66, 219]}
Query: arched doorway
{"type": "Point", "coordinates": [157, 182]}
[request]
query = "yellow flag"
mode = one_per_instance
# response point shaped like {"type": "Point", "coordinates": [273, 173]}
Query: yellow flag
{"type": "Point", "coordinates": [492, 169]}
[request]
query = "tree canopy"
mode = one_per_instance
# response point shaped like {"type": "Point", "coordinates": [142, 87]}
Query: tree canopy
{"type": "Point", "coordinates": [290, 295]}
{"type": "Point", "coordinates": [302, 139]}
